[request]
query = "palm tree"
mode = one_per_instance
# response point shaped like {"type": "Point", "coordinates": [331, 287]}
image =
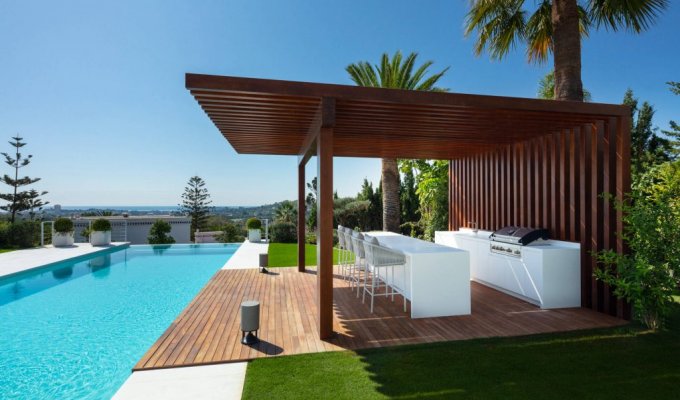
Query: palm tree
{"type": "Point", "coordinates": [555, 26]}
{"type": "Point", "coordinates": [286, 212]}
{"type": "Point", "coordinates": [394, 73]}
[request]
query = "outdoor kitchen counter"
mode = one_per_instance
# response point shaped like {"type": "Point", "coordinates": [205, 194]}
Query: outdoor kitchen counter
{"type": "Point", "coordinates": [437, 277]}
{"type": "Point", "coordinates": [545, 272]}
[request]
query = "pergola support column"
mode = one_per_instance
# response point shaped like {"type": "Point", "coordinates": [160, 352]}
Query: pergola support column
{"type": "Point", "coordinates": [324, 250]}
{"type": "Point", "coordinates": [301, 215]}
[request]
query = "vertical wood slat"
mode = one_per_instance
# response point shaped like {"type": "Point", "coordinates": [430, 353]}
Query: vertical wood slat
{"type": "Point", "coordinates": [574, 203]}
{"type": "Point", "coordinates": [538, 183]}
{"type": "Point", "coordinates": [514, 183]}
{"type": "Point", "coordinates": [528, 184]}
{"type": "Point", "coordinates": [563, 184]}
{"type": "Point", "coordinates": [547, 206]}
{"type": "Point", "coordinates": [521, 171]}
{"type": "Point", "coordinates": [555, 182]}
{"type": "Point", "coordinates": [483, 194]}
{"type": "Point", "coordinates": [585, 222]}
{"type": "Point", "coordinates": [596, 212]}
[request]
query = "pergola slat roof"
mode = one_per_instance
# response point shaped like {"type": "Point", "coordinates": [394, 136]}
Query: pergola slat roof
{"type": "Point", "coordinates": [261, 116]}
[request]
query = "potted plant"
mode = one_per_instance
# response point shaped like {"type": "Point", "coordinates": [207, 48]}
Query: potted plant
{"type": "Point", "coordinates": [63, 232]}
{"type": "Point", "coordinates": [100, 232]}
{"type": "Point", "coordinates": [254, 234]}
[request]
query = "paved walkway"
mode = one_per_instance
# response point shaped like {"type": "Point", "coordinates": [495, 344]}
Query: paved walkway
{"type": "Point", "coordinates": [247, 256]}
{"type": "Point", "coordinates": [223, 381]}
{"type": "Point", "coordinates": [22, 260]}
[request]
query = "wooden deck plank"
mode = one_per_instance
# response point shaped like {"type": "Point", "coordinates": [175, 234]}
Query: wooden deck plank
{"type": "Point", "coordinates": [208, 330]}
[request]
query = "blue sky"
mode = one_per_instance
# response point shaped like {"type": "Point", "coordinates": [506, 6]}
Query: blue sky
{"type": "Point", "coordinates": [97, 88]}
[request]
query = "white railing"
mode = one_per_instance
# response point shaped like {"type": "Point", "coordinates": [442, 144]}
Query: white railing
{"type": "Point", "coordinates": [119, 231]}
{"type": "Point", "coordinates": [266, 230]}
{"type": "Point", "coordinates": [42, 231]}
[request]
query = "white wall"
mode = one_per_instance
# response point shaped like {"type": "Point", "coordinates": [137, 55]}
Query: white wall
{"type": "Point", "coordinates": [138, 228]}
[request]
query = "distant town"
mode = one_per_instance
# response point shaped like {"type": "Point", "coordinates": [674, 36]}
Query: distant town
{"type": "Point", "coordinates": [229, 212]}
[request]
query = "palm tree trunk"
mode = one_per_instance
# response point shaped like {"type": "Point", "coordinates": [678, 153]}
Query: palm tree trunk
{"type": "Point", "coordinates": [390, 195]}
{"type": "Point", "coordinates": [567, 50]}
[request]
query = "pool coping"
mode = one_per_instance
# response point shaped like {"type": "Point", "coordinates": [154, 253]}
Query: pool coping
{"type": "Point", "coordinates": [247, 255]}
{"type": "Point", "coordinates": [86, 252]}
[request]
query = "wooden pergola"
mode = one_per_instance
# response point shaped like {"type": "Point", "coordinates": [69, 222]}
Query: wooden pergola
{"type": "Point", "coordinates": [513, 160]}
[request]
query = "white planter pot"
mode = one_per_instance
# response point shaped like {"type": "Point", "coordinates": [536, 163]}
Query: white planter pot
{"type": "Point", "coordinates": [254, 235]}
{"type": "Point", "coordinates": [62, 239]}
{"type": "Point", "coordinates": [99, 238]}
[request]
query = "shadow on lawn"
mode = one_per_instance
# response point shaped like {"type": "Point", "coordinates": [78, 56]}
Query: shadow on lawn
{"type": "Point", "coordinates": [627, 362]}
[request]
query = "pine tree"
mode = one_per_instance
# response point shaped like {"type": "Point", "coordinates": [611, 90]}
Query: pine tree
{"type": "Point", "coordinates": [374, 197]}
{"type": "Point", "coordinates": [20, 200]}
{"type": "Point", "coordinates": [409, 198]}
{"type": "Point", "coordinates": [196, 203]}
{"type": "Point", "coordinates": [647, 148]}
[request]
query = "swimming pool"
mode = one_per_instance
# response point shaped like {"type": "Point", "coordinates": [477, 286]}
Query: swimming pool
{"type": "Point", "coordinates": [75, 330]}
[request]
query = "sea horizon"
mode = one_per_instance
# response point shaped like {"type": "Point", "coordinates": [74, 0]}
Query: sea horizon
{"type": "Point", "coordinates": [136, 208]}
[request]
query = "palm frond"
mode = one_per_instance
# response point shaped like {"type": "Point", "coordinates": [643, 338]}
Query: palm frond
{"type": "Point", "coordinates": [418, 76]}
{"type": "Point", "coordinates": [429, 83]}
{"type": "Point", "coordinates": [362, 73]}
{"type": "Point", "coordinates": [539, 32]}
{"type": "Point", "coordinates": [500, 25]}
{"type": "Point", "coordinates": [633, 15]}
{"type": "Point", "coordinates": [396, 73]}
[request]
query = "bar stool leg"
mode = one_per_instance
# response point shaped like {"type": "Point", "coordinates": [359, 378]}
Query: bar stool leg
{"type": "Point", "coordinates": [372, 292]}
{"type": "Point", "coordinates": [392, 281]}
{"type": "Point", "coordinates": [403, 284]}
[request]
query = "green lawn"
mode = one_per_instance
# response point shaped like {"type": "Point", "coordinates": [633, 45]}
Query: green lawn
{"type": "Point", "coordinates": [6, 250]}
{"type": "Point", "coordinates": [285, 254]}
{"type": "Point", "coordinates": [618, 363]}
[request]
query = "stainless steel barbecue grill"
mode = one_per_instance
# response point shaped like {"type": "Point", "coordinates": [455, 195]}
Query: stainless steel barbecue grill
{"type": "Point", "coordinates": [508, 241]}
{"type": "Point", "coordinates": [519, 235]}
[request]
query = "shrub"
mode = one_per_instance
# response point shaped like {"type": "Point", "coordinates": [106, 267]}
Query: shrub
{"type": "Point", "coordinates": [648, 276]}
{"type": "Point", "coordinates": [85, 233]}
{"type": "Point", "coordinates": [412, 229]}
{"type": "Point", "coordinates": [63, 225]}
{"type": "Point", "coordinates": [24, 234]}
{"type": "Point", "coordinates": [158, 234]}
{"type": "Point", "coordinates": [354, 214]}
{"type": "Point", "coordinates": [283, 232]}
{"type": "Point", "coordinates": [310, 238]}
{"type": "Point", "coordinates": [254, 223]}
{"type": "Point", "coordinates": [101, 225]}
{"type": "Point", "coordinates": [4, 233]}
{"type": "Point", "coordinates": [230, 234]}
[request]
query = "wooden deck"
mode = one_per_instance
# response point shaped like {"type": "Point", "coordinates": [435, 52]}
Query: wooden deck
{"type": "Point", "coordinates": [207, 331]}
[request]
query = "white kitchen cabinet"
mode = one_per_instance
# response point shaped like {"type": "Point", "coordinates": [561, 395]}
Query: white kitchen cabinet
{"type": "Point", "coordinates": [547, 273]}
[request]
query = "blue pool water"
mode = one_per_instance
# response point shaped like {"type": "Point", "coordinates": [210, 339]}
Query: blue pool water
{"type": "Point", "coordinates": [75, 330]}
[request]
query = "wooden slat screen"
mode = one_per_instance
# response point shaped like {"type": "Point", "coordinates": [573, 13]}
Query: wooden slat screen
{"type": "Point", "coordinates": [553, 182]}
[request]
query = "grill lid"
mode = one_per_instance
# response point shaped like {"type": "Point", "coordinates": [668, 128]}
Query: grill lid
{"type": "Point", "coordinates": [519, 235]}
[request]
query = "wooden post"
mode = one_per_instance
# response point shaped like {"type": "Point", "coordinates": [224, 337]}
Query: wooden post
{"type": "Point", "coordinates": [324, 250]}
{"type": "Point", "coordinates": [301, 215]}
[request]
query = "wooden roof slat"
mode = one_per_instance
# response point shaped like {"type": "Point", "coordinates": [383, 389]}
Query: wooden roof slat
{"type": "Point", "coordinates": [261, 116]}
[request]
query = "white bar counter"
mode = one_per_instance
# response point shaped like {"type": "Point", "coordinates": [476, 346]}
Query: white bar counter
{"type": "Point", "coordinates": [437, 276]}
